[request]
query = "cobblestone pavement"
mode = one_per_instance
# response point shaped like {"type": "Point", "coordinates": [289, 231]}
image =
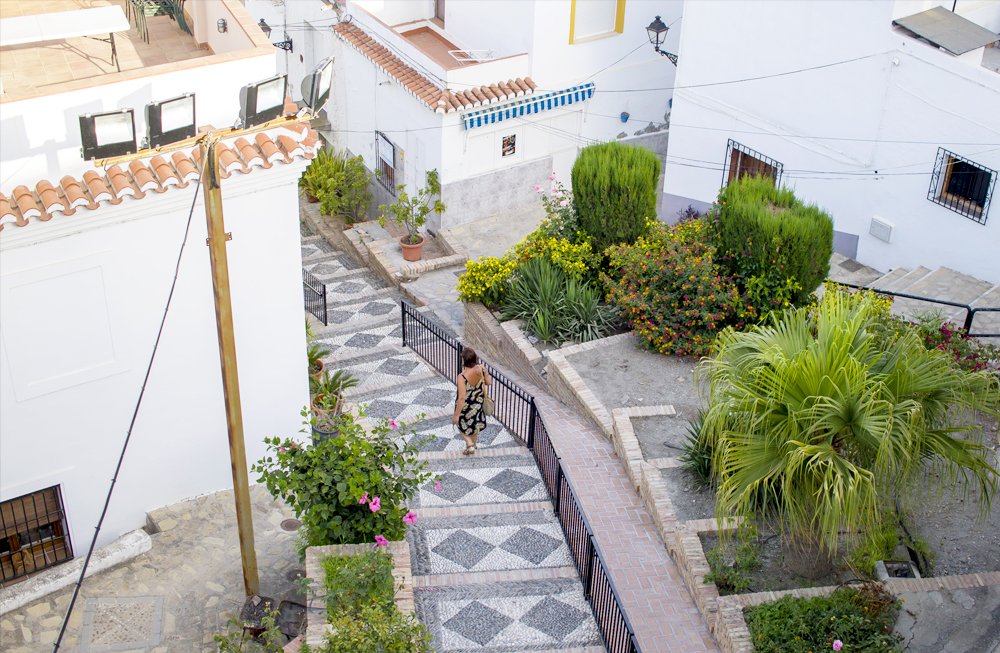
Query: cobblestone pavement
{"type": "Point", "coordinates": [491, 566]}
{"type": "Point", "coordinates": [495, 235]}
{"type": "Point", "coordinates": [439, 288]}
{"type": "Point", "coordinates": [173, 598]}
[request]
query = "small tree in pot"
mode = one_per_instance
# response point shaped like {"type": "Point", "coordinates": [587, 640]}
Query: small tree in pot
{"type": "Point", "coordinates": [411, 211]}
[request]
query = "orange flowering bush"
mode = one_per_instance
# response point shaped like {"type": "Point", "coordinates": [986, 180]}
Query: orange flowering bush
{"type": "Point", "coordinates": [667, 288]}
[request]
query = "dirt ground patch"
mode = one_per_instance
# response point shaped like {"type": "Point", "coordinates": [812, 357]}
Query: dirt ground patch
{"type": "Point", "coordinates": [689, 499]}
{"type": "Point", "coordinates": [621, 375]}
{"type": "Point", "coordinates": [661, 436]}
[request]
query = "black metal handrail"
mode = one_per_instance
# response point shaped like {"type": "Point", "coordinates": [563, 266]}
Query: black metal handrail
{"type": "Point", "coordinates": [516, 410]}
{"type": "Point", "coordinates": [314, 293]}
{"type": "Point", "coordinates": [970, 312]}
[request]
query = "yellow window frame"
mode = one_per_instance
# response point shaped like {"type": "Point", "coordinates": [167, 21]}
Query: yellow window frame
{"type": "Point", "coordinates": [619, 23]}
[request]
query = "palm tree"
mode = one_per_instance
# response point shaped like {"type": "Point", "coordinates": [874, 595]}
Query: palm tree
{"type": "Point", "coordinates": [813, 418]}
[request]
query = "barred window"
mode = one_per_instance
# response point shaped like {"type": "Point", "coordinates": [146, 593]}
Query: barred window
{"type": "Point", "coordinates": [385, 154]}
{"type": "Point", "coordinates": [33, 534]}
{"type": "Point", "coordinates": [962, 185]}
{"type": "Point", "coordinates": [741, 161]}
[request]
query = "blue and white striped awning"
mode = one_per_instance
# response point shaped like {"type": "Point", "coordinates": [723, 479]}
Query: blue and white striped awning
{"type": "Point", "coordinates": [528, 105]}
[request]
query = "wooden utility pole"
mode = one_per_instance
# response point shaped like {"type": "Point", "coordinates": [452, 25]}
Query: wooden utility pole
{"type": "Point", "coordinates": [217, 238]}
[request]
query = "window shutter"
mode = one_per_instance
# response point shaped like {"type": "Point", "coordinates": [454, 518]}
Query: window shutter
{"type": "Point", "coordinates": [594, 17]}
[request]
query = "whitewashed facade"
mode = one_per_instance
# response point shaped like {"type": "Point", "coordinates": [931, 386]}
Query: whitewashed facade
{"type": "Point", "coordinates": [858, 131]}
{"type": "Point", "coordinates": [523, 39]}
{"type": "Point", "coordinates": [84, 279]}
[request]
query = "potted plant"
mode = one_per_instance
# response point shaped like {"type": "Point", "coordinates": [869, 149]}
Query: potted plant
{"type": "Point", "coordinates": [311, 181]}
{"type": "Point", "coordinates": [328, 401]}
{"type": "Point", "coordinates": [316, 354]}
{"type": "Point", "coordinates": [344, 189]}
{"type": "Point", "coordinates": [410, 211]}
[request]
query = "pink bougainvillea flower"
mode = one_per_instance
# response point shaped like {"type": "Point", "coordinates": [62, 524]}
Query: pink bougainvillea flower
{"type": "Point", "coordinates": [393, 424]}
{"type": "Point", "coordinates": [364, 498]}
{"type": "Point", "coordinates": [375, 504]}
{"type": "Point", "coordinates": [381, 541]}
{"type": "Point", "coordinates": [410, 518]}
{"type": "Point", "coordinates": [837, 645]}
{"type": "Point", "coordinates": [282, 450]}
{"type": "Point", "coordinates": [437, 486]}
{"type": "Point", "coordinates": [552, 177]}
{"type": "Point", "coordinates": [563, 203]}
{"type": "Point", "coordinates": [538, 189]}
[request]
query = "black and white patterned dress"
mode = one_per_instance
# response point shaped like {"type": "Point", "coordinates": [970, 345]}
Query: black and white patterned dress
{"type": "Point", "coordinates": [472, 418]}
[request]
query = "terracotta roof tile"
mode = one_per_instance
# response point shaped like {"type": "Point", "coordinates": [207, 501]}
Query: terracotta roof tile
{"type": "Point", "coordinates": [156, 173]}
{"type": "Point", "coordinates": [49, 196]}
{"type": "Point", "coordinates": [26, 202]}
{"type": "Point", "coordinates": [74, 193]}
{"type": "Point", "coordinates": [439, 100]}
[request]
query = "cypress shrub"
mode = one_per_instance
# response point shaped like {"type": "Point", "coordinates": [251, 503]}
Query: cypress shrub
{"type": "Point", "coordinates": [614, 186]}
{"type": "Point", "coordinates": [773, 246]}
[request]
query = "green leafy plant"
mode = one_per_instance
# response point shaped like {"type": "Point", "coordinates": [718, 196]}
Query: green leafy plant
{"type": "Point", "coordinates": [772, 246]}
{"type": "Point", "coordinates": [734, 578]}
{"type": "Point", "coordinates": [328, 397]}
{"type": "Point", "coordinates": [235, 639]}
{"type": "Point", "coordinates": [614, 188]}
{"type": "Point", "coordinates": [353, 581]}
{"type": "Point", "coordinates": [666, 287]}
{"type": "Point", "coordinates": [968, 354]}
{"type": "Point", "coordinates": [562, 220]}
{"type": "Point", "coordinates": [876, 544]}
{"type": "Point", "coordinates": [860, 618]}
{"type": "Point", "coordinates": [373, 630]}
{"type": "Point", "coordinates": [554, 309]}
{"type": "Point", "coordinates": [818, 422]}
{"type": "Point", "coordinates": [410, 211]}
{"type": "Point", "coordinates": [696, 454]}
{"type": "Point", "coordinates": [340, 183]}
{"type": "Point", "coordinates": [315, 354]}
{"type": "Point", "coordinates": [332, 486]}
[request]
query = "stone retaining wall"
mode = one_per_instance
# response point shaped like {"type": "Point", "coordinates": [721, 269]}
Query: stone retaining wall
{"type": "Point", "coordinates": [504, 343]}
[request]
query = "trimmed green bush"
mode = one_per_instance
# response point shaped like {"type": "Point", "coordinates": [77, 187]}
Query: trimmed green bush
{"type": "Point", "coordinates": [614, 187]}
{"type": "Point", "coordinates": [774, 247]}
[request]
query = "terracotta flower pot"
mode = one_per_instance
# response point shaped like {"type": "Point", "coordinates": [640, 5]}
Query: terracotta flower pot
{"type": "Point", "coordinates": [318, 373]}
{"type": "Point", "coordinates": [412, 252]}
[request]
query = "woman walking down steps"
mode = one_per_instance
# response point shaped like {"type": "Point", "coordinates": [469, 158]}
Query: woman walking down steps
{"type": "Point", "coordinates": [469, 416]}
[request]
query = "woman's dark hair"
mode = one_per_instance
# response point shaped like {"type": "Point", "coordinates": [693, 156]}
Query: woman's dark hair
{"type": "Point", "coordinates": [469, 357]}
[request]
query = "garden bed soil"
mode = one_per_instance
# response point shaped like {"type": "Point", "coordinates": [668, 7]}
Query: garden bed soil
{"type": "Point", "coordinates": [690, 501]}
{"type": "Point", "coordinates": [661, 436]}
{"type": "Point", "coordinates": [621, 375]}
{"type": "Point", "coordinates": [772, 575]}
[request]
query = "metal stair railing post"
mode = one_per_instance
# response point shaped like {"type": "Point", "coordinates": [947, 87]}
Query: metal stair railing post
{"type": "Point", "coordinates": [558, 494]}
{"type": "Point", "coordinates": [532, 415]}
{"type": "Point", "coordinates": [590, 567]}
{"type": "Point", "coordinates": [402, 310]}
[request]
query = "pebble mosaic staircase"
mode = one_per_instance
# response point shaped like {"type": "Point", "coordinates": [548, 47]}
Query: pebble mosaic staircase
{"type": "Point", "coordinates": [491, 568]}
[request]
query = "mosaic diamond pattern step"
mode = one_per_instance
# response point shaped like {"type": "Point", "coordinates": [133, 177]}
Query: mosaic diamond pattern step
{"type": "Point", "coordinates": [440, 435]}
{"type": "Point", "coordinates": [360, 284]}
{"type": "Point", "coordinates": [384, 368]}
{"type": "Point", "coordinates": [508, 617]}
{"type": "Point", "coordinates": [314, 246]}
{"type": "Point", "coordinates": [359, 341]}
{"type": "Point", "coordinates": [423, 397]}
{"type": "Point", "coordinates": [491, 542]}
{"type": "Point", "coordinates": [328, 267]}
{"type": "Point", "coordinates": [360, 310]}
{"type": "Point", "coordinates": [473, 481]}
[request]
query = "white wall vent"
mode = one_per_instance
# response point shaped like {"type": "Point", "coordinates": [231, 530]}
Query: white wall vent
{"type": "Point", "coordinates": [881, 229]}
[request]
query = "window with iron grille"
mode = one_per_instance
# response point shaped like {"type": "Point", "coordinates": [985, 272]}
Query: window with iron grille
{"type": "Point", "coordinates": [33, 535]}
{"type": "Point", "coordinates": [962, 185]}
{"type": "Point", "coordinates": [741, 161]}
{"type": "Point", "coordinates": [385, 155]}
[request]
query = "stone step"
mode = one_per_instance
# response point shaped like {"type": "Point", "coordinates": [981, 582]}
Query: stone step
{"type": "Point", "coordinates": [883, 282]}
{"type": "Point", "coordinates": [358, 339]}
{"type": "Point", "coordinates": [330, 266]}
{"type": "Point", "coordinates": [437, 437]}
{"type": "Point", "coordinates": [433, 396]}
{"type": "Point", "coordinates": [944, 284]}
{"type": "Point", "coordinates": [987, 322]}
{"type": "Point", "coordinates": [902, 283]}
{"type": "Point", "coordinates": [376, 305]}
{"type": "Point", "coordinates": [353, 285]}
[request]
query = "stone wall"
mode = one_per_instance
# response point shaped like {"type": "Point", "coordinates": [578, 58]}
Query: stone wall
{"type": "Point", "coordinates": [495, 192]}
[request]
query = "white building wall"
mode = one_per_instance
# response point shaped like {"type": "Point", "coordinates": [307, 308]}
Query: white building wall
{"type": "Point", "coordinates": [41, 136]}
{"type": "Point", "coordinates": [179, 447]}
{"type": "Point", "coordinates": [834, 127]}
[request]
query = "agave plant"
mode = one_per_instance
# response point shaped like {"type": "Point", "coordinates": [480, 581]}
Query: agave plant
{"type": "Point", "coordinates": [817, 421]}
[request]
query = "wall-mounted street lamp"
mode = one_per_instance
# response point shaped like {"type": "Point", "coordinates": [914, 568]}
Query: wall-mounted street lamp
{"type": "Point", "coordinates": [263, 101]}
{"type": "Point", "coordinates": [170, 121]}
{"type": "Point", "coordinates": [285, 45]}
{"type": "Point", "coordinates": [657, 35]}
{"type": "Point", "coordinates": [223, 27]}
{"type": "Point", "coordinates": [105, 135]}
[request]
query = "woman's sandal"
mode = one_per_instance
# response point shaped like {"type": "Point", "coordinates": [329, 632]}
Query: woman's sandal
{"type": "Point", "coordinates": [469, 450]}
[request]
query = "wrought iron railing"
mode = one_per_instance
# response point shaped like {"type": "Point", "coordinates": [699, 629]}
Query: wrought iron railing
{"type": "Point", "coordinates": [970, 311]}
{"type": "Point", "coordinates": [315, 296]}
{"type": "Point", "coordinates": [516, 410]}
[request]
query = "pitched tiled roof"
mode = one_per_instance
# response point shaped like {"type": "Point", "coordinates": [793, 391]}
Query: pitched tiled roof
{"type": "Point", "coordinates": [438, 99]}
{"type": "Point", "coordinates": [156, 174]}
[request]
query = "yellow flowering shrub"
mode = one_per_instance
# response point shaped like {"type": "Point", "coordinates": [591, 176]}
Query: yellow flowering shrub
{"type": "Point", "coordinates": [486, 280]}
{"type": "Point", "coordinates": [576, 260]}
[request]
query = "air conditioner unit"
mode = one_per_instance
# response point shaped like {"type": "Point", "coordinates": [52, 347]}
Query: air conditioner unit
{"type": "Point", "coordinates": [881, 229]}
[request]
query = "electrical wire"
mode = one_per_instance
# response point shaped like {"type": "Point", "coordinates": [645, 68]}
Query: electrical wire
{"type": "Point", "coordinates": [135, 414]}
